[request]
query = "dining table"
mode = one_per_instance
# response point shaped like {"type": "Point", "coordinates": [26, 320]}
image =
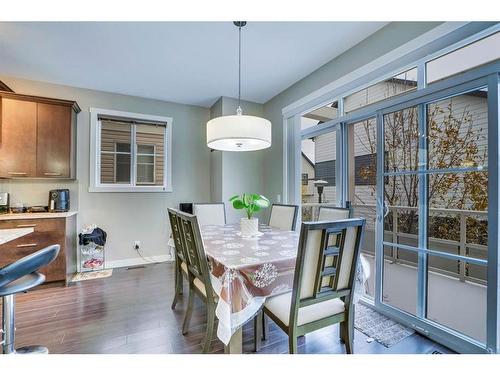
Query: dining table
{"type": "Point", "coordinates": [245, 270]}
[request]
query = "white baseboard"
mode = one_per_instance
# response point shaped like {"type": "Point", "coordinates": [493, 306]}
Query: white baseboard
{"type": "Point", "coordinates": [137, 261]}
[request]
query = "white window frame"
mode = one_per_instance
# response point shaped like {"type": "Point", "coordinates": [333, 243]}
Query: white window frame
{"type": "Point", "coordinates": [96, 186]}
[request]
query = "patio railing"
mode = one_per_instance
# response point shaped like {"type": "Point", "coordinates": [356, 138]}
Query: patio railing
{"type": "Point", "coordinates": [456, 224]}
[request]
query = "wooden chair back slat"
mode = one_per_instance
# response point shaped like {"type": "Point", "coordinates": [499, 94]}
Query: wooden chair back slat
{"type": "Point", "coordinates": [176, 234]}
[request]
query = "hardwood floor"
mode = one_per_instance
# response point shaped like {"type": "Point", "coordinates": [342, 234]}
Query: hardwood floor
{"type": "Point", "coordinates": [130, 313]}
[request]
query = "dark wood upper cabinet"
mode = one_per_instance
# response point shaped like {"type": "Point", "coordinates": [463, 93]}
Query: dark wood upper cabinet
{"type": "Point", "coordinates": [37, 137]}
{"type": "Point", "coordinates": [53, 141]}
{"type": "Point", "coordinates": [18, 138]}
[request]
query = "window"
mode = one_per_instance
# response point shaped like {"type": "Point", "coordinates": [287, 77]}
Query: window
{"type": "Point", "coordinates": [478, 53]}
{"type": "Point", "coordinates": [396, 85]}
{"type": "Point", "coordinates": [320, 115]}
{"type": "Point", "coordinates": [417, 168]}
{"type": "Point", "coordinates": [305, 179]}
{"type": "Point", "coordinates": [131, 152]}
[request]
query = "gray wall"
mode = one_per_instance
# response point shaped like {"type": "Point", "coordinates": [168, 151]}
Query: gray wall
{"type": "Point", "coordinates": [383, 41]}
{"type": "Point", "coordinates": [125, 216]}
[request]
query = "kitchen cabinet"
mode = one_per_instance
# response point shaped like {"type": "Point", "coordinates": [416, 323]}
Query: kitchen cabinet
{"type": "Point", "coordinates": [53, 141]}
{"type": "Point", "coordinates": [18, 138]}
{"type": "Point", "coordinates": [37, 137]}
{"type": "Point", "coordinates": [46, 232]}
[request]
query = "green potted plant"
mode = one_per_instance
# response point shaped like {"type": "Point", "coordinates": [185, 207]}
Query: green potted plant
{"type": "Point", "coordinates": [251, 203]}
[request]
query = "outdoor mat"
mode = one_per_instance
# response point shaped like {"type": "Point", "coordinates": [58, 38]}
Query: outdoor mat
{"type": "Point", "coordinates": [82, 276]}
{"type": "Point", "coordinates": [379, 327]}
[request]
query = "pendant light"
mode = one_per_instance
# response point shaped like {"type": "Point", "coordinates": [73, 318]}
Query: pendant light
{"type": "Point", "coordinates": [239, 132]}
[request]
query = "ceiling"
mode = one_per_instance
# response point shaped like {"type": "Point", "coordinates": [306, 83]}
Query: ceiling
{"type": "Point", "coordinates": [183, 62]}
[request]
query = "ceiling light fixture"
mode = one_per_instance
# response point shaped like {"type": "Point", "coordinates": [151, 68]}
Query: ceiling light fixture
{"type": "Point", "coordinates": [239, 132]}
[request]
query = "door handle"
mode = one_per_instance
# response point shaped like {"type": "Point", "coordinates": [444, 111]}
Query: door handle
{"type": "Point", "coordinates": [386, 209]}
{"type": "Point", "coordinates": [52, 174]}
{"type": "Point", "coordinates": [27, 245]}
{"type": "Point", "coordinates": [26, 225]}
{"type": "Point", "coordinates": [18, 173]}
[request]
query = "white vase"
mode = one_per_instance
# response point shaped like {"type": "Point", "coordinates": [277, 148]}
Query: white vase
{"type": "Point", "coordinates": [249, 227]}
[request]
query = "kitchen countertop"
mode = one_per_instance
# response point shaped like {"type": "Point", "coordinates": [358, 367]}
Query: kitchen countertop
{"type": "Point", "coordinates": [7, 235]}
{"type": "Point", "coordinates": [37, 215]}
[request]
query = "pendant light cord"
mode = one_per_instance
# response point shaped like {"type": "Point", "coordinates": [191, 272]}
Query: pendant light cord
{"type": "Point", "coordinates": [238, 111]}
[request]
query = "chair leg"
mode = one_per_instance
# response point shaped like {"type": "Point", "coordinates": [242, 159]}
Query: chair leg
{"type": "Point", "coordinates": [178, 288]}
{"type": "Point", "coordinates": [347, 331]}
{"type": "Point", "coordinates": [257, 330]}
{"type": "Point", "coordinates": [189, 311]}
{"type": "Point", "coordinates": [292, 343]}
{"type": "Point", "coordinates": [265, 327]}
{"type": "Point", "coordinates": [210, 329]}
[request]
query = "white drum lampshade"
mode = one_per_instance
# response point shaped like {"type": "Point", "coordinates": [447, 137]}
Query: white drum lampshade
{"type": "Point", "coordinates": [238, 133]}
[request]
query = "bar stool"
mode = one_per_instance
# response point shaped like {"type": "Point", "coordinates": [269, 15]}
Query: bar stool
{"type": "Point", "coordinates": [18, 277]}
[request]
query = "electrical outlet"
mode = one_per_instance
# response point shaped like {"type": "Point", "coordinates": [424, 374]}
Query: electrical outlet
{"type": "Point", "coordinates": [278, 198]}
{"type": "Point", "coordinates": [137, 245]}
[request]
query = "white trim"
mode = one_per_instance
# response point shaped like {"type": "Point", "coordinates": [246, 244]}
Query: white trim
{"type": "Point", "coordinates": [406, 48]}
{"type": "Point", "coordinates": [95, 186]}
{"type": "Point", "coordinates": [138, 261]}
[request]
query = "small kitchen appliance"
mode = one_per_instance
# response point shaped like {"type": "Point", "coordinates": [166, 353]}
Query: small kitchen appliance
{"type": "Point", "coordinates": [59, 200]}
{"type": "Point", "coordinates": [4, 203]}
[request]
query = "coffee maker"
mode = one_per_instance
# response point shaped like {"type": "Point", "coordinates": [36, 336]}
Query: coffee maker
{"type": "Point", "coordinates": [59, 200]}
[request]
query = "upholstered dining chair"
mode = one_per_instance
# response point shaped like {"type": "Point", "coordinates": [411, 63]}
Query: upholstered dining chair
{"type": "Point", "coordinates": [198, 274]}
{"type": "Point", "coordinates": [321, 295]}
{"type": "Point", "coordinates": [334, 213]}
{"type": "Point", "coordinates": [283, 216]}
{"type": "Point", "coordinates": [181, 270]}
{"type": "Point", "coordinates": [210, 213]}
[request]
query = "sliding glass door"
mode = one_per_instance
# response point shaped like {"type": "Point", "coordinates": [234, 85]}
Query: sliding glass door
{"type": "Point", "coordinates": [432, 214]}
{"type": "Point", "coordinates": [361, 185]}
{"type": "Point", "coordinates": [420, 163]}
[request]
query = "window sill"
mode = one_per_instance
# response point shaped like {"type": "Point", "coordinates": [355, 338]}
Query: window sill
{"type": "Point", "coordinates": [130, 189]}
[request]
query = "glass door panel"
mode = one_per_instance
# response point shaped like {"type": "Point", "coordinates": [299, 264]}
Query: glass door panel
{"type": "Point", "coordinates": [401, 199]}
{"type": "Point", "coordinates": [455, 300]}
{"type": "Point", "coordinates": [399, 286]}
{"type": "Point", "coordinates": [457, 201]}
{"type": "Point", "coordinates": [318, 173]}
{"type": "Point", "coordinates": [362, 174]}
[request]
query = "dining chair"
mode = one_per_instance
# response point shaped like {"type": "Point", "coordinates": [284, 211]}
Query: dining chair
{"type": "Point", "coordinates": [333, 213]}
{"type": "Point", "coordinates": [325, 213]}
{"type": "Point", "coordinates": [181, 270]}
{"type": "Point", "coordinates": [198, 275]}
{"type": "Point", "coordinates": [210, 213]}
{"type": "Point", "coordinates": [283, 216]}
{"type": "Point", "coordinates": [321, 295]}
